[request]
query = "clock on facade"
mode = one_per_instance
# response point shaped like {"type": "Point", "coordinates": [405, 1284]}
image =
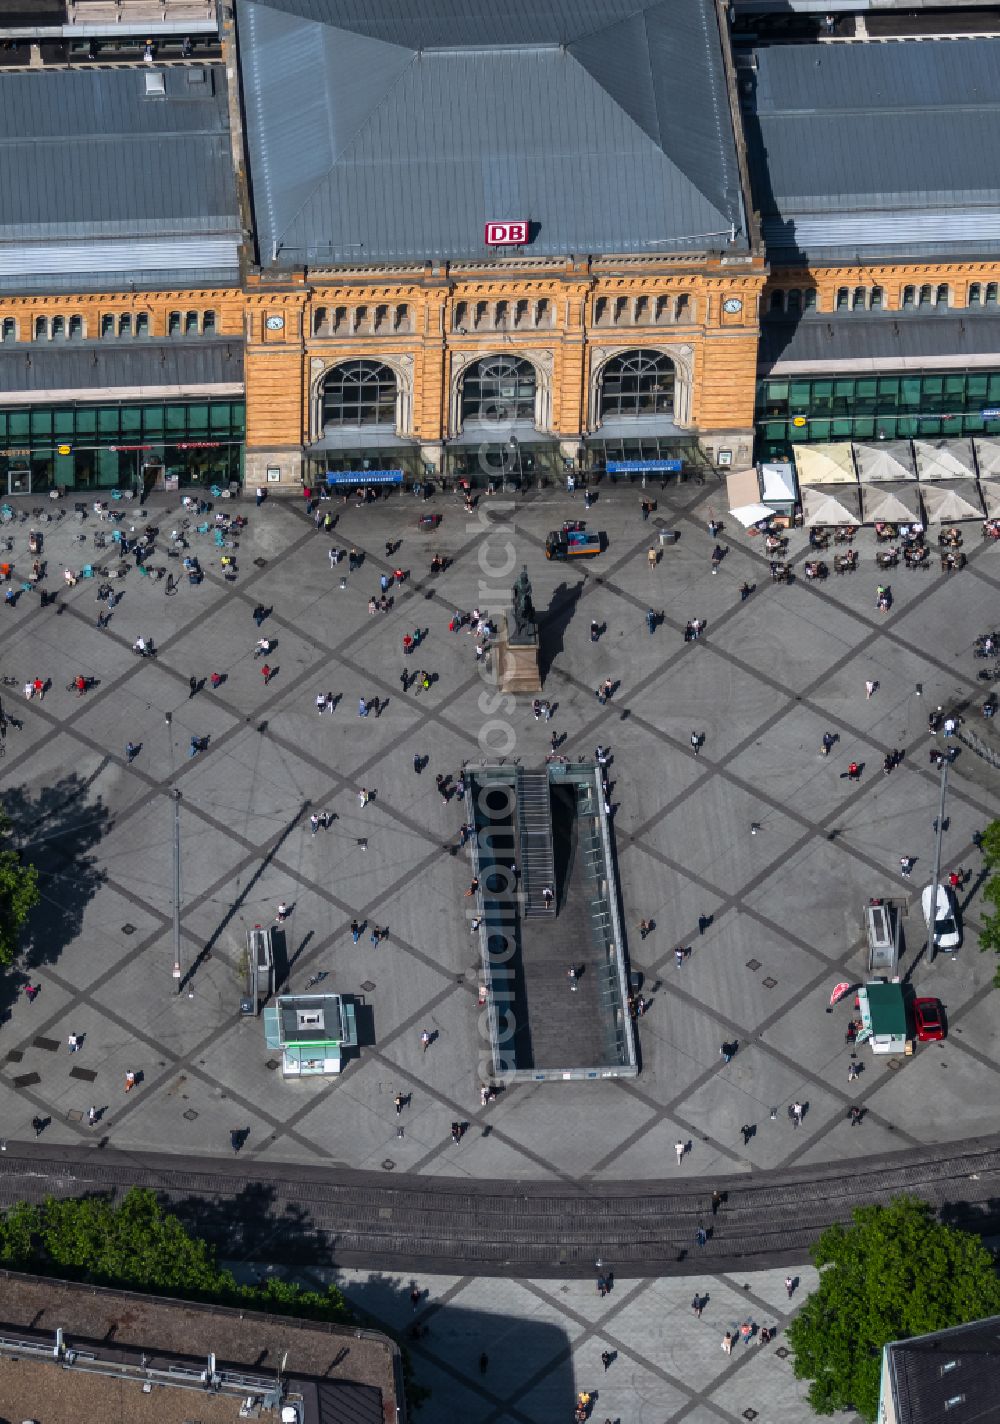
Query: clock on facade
{"type": "Point", "coordinates": [732, 304]}
{"type": "Point", "coordinates": [275, 322]}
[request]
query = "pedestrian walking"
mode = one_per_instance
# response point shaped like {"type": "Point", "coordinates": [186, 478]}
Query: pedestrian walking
{"type": "Point", "coordinates": [797, 1111]}
{"type": "Point", "coordinates": [547, 895]}
{"type": "Point", "coordinates": [697, 1307]}
{"type": "Point", "coordinates": [853, 1070]}
{"type": "Point", "coordinates": [595, 630]}
{"type": "Point", "coordinates": [73, 1043]}
{"type": "Point", "coordinates": [129, 1081]}
{"type": "Point", "coordinates": [905, 866]}
{"type": "Point", "coordinates": [282, 913]}
{"type": "Point", "coordinates": [364, 796]}
{"type": "Point", "coordinates": [398, 1101]}
{"type": "Point", "coordinates": [854, 1116]}
{"type": "Point", "coordinates": [484, 1363]}
{"type": "Point", "coordinates": [651, 557]}
{"type": "Point", "coordinates": [701, 1236]}
{"type": "Point", "coordinates": [216, 681]}
{"type": "Point", "coordinates": [789, 1286]}
{"type": "Point", "coordinates": [314, 823]}
{"type": "Point", "coordinates": [870, 687]}
{"type": "Point", "coordinates": [745, 592]}
{"type": "Point", "coordinates": [415, 1297]}
{"type": "Point", "coordinates": [651, 620]}
{"type": "Point", "coordinates": [362, 707]}
{"type": "Point", "coordinates": [680, 1148]}
{"type": "Point", "coordinates": [643, 929]}
{"type": "Point", "coordinates": [131, 752]}
{"type": "Point", "coordinates": [679, 955]}
{"type": "Point", "coordinates": [92, 1117]}
{"type": "Point", "coordinates": [38, 1123]}
{"type": "Point", "coordinates": [606, 1359]}
{"type": "Point", "coordinates": [259, 614]}
{"type": "Point", "coordinates": [473, 887]}
{"type": "Point", "coordinates": [726, 1052]}
{"type": "Point", "coordinates": [716, 1202]}
{"type": "Point", "coordinates": [571, 976]}
{"type": "Point", "coordinates": [696, 742]}
{"type": "Point", "coordinates": [425, 1040]}
{"type": "Point", "coordinates": [355, 931]}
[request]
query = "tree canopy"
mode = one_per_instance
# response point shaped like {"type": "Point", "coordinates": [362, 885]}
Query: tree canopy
{"type": "Point", "coordinates": [18, 894]}
{"type": "Point", "coordinates": [893, 1274]}
{"type": "Point", "coordinates": [137, 1245]}
{"type": "Point", "coordinates": [989, 937]}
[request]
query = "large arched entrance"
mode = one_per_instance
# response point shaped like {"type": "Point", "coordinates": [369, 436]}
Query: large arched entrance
{"type": "Point", "coordinates": [359, 393]}
{"type": "Point", "coordinates": [499, 390]}
{"type": "Point", "coordinates": [636, 384]}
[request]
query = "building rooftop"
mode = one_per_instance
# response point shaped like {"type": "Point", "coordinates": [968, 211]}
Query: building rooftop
{"type": "Point", "coordinates": [94, 366]}
{"type": "Point", "coordinates": [340, 1374]}
{"type": "Point", "coordinates": [605, 123]}
{"type": "Point", "coordinates": [883, 341]}
{"type": "Point", "coordinates": [868, 151]}
{"type": "Point", "coordinates": [104, 180]}
{"type": "Point", "coordinates": [310, 1018]}
{"type": "Point", "coordinates": [951, 1374]}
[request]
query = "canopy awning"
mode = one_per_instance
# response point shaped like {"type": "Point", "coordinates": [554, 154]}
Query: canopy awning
{"type": "Point", "coordinates": [370, 438]}
{"type": "Point", "coordinates": [748, 514]}
{"type": "Point", "coordinates": [888, 460]}
{"type": "Point", "coordinates": [988, 457]}
{"type": "Point", "coordinates": [777, 483]}
{"type": "Point", "coordinates": [944, 459]}
{"type": "Point", "coordinates": [948, 502]}
{"type": "Point", "coordinates": [824, 464]}
{"type": "Point", "coordinates": [990, 491]}
{"type": "Point", "coordinates": [743, 487]}
{"type": "Point", "coordinates": [892, 503]}
{"type": "Point", "coordinates": [838, 504]}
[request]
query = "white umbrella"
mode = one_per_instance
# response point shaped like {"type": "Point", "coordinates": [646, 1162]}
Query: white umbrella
{"type": "Point", "coordinates": [748, 514]}
{"type": "Point", "coordinates": [891, 503]}
{"type": "Point", "coordinates": [830, 506]}
{"type": "Point", "coordinates": [990, 491]}
{"type": "Point", "coordinates": [945, 459]}
{"type": "Point", "coordinates": [987, 456]}
{"type": "Point", "coordinates": [824, 464]}
{"type": "Point", "coordinates": [947, 503]}
{"type": "Point", "coordinates": [888, 460]}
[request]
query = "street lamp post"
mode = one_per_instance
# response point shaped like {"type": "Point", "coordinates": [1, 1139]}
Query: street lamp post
{"type": "Point", "coordinates": [177, 888]}
{"type": "Point", "coordinates": [932, 917]}
{"type": "Point", "coordinates": [514, 445]}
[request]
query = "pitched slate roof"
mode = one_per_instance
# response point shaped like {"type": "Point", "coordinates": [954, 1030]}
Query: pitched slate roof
{"type": "Point", "coordinates": [107, 366]}
{"type": "Point", "coordinates": [877, 149]}
{"type": "Point", "coordinates": [97, 176]}
{"type": "Point", "coordinates": [895, 338]}
{"type": "Point", "coordinates": [394, 132]}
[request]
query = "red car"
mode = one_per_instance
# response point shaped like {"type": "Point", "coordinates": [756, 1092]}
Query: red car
{"type": "Point", "coordinates": [927, 1020]}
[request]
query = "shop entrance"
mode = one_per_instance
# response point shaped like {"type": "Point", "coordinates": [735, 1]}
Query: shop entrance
{"type": "Point", "coordinates": [19, 477]}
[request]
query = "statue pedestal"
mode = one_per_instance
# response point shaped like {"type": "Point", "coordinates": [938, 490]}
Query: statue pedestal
{"type": "Point", "coordinates": [517, 663]}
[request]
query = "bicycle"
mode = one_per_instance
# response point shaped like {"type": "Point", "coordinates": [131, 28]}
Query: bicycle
{"type": "Point", "coordinates": [316, 979]}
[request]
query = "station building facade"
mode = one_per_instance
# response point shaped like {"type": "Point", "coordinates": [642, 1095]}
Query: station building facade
{"type": "Point", "coordinates": [520, 243]}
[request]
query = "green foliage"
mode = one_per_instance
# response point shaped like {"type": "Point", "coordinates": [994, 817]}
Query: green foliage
{"type": "Point", "coordinates": [137, 1245]}
{"type": "Point", "coordinates": [895, 1273]}
{"type": "Point", "coordinates": [18, 895]}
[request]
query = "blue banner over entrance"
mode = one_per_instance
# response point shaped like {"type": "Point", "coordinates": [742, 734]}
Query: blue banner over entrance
{"type": "Point", "coordinates": [364, 477]}
{"type": "Point", "coordinates": [643, 467]}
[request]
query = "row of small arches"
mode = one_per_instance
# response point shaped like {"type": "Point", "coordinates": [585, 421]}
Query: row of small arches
{"type": "Point", "coordinates": [73, 326]}
{"type": "Point", "coordinates": [925, 294]}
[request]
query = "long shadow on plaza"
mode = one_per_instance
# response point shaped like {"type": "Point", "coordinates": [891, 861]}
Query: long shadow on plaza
{"type": "Point", "coordinates": [552, 624]}
{"type": "Point", "coordinates": [472, 1360]}
{"type": "Point", "coordinates": [57, 830]}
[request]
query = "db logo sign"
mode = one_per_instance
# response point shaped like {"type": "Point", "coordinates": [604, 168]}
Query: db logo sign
{"type": "Point", "coordinates": [506, 234]}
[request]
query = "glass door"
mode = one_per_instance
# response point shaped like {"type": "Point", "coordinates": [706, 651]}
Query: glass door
{"type": "Point", "coordinates": [19, 477]}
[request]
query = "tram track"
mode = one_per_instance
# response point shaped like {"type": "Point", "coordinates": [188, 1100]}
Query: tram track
{"type": "Point", "coordinates": [307, 1215]}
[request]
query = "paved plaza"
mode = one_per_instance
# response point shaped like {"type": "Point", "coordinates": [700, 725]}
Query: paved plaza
{"type": "Point", "coordinates": [770, 675]}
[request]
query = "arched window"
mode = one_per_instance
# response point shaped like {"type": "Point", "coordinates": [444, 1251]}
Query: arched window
{"type": "Point", "coordinates": [926, 295]}
{"type": "Point", "coordinates": [359, 393]}
{"type": "Point", "coordinates": [59, 326]}
{"type": "Point", "coordinates": [991, 294]}
{"type": "Point", "coordinates": [637, 383]}
{"type": "Point", "coordinates": [191, 323]}
{"type": "Point", "coordinates": [174, 323]}
{"type": "Point", "coordinates": [125, 324]}
{"type": "Point", "coordinates": [809, 299]}
{"type": "Point", "coordinates": [75, 327]}
{"type": "Point", "coordinates": [41, 327]}
{"type": "Point", "coordinates": [878, 298]}
{"type": "Point", "coordinates": [142, 323]}
{"type": "Point", "coordinates": [975, 294]}
{"type": "Point", "coordinates": [499, 388]}
{"type": "Point", "coordinates": [793, 299]}
{"type": "Point", "coordinates": [777, 300]}
{"type": "Point", "coordinates": [320, 317]}
{"type": "Point", "coordinates": [843, 298]}
{"type": "Point", "coordinates": [860, 298]}
{"type": "Point", "coordinates": [908, 296]}
{"type": "Point", "coordinates": [208, 323]}
{"type": "Point", "coordinates": [941, 299]}
{"type": "Point", "coordinates": [9, 332]}
{"type": "Point", "coordinates": [108, 324]}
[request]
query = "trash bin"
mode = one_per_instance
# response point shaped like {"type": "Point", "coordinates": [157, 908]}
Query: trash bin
{"type": "Point", "coordinates": [669, 536]}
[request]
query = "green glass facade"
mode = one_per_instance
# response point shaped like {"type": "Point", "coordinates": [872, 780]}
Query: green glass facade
{"type": "Point", "coordinates": [903, 407]}
{"type": "Point", "coordinates": [118, 446]}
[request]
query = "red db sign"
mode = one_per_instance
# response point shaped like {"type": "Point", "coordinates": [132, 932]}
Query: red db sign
{"type": "Point", "coordinates": [506, 234]}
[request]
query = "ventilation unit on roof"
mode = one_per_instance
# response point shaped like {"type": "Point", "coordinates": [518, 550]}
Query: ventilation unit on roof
{"type": "Point", "coordinates": [156, 86]}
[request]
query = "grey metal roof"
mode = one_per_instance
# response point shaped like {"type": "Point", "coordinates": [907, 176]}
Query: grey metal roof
{"type": "Point", "coordinates": [890, 336]}
{"type": "Point", "coordinates": [605, 123]}
{"type": "Point", "coordinates": [928, 1372]}
{"type": "Point", "coordinates": [877, 148]}
{"type": "Point", "coordinates": [88, 162]}
{"type": "Point", "coordinates": [107, 365]}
